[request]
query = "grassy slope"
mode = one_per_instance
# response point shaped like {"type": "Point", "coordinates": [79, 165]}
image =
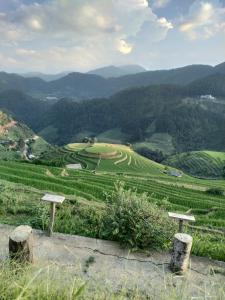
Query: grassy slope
{"type": "Point", "coordinates": [126, 159]}
{"type": "Point", "coordinates": [16, 134]}
{"type": "Point", "coordinates": [22, 185]}
{"type": "Point", "coordinates": [199, 163]}
{"type": "Point", "coordinates": [175, 194]}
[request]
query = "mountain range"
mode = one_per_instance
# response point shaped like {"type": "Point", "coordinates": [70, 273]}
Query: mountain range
{"type": "Point", "coordinates": [80, 86]}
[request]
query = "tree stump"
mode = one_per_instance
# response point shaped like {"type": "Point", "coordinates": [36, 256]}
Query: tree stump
{"type": "Point", "coordinates": [180, 258]}
{"type": "Point", "coordinates": [21, 244]}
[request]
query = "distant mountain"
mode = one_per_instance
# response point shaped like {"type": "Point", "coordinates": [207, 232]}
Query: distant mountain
{"type": "Point", "coordinates": [79, 86]}
{"type": "Point", "coordinates": [83, 86]}
{"type": "Point", "coordinates": [33, 86]}
{"type": "Point", "coordinates": [211, 85]}
{"type": "Point", "coordinates": [220, 68]}
{"type": "Point", "coordinates": [45, 77]}
{"type": "Point", "coordinates": [117, 71]}
{"type": "Point", "coordinates": [23, 107]}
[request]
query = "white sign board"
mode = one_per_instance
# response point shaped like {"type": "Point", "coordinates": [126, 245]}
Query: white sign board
{"type": "Point", "coordinates": [181, 217]}
{"type": "Point", "coordinates": [74, 166]}
{"type": "Point", "coordinates": [53, 198]}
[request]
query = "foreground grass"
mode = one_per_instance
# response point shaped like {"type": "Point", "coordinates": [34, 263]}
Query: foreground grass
{"type": "Point", "coordinates": [53, 282]}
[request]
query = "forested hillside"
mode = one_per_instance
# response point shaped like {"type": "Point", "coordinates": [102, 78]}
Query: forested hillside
{"type": "Point", "coordinates": [177, 113]}
{"type": "Point", "coordinates": [140, 113]}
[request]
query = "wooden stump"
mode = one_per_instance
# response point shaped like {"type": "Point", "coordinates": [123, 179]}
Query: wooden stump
{"type": "Point", "coordinates": [21, 244]}
{"type": "Point", "coordinates": [180, 258]}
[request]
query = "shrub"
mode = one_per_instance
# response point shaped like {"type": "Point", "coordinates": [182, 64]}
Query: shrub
{"type": "Point", "coordinates": [216, 191]}
{"type": "Point", "coordinates": [134, 221]}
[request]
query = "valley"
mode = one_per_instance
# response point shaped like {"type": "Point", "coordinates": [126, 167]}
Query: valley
{"type": "Point", "coordinates": [112, 149]}
{"type": "Point", "coordinates": [165, 123]}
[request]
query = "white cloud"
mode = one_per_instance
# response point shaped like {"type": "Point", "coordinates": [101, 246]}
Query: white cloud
{"type": "Point", "coordinates": [165, 23]}
{"type": "Point", "coordinates": [80, 34]}
{"type": "Point", "coordinates": [124, 47]}
{"type": "Point", "coordinates": [160, 3]}
{"type": "Point", "coordinates": [205, 19]}
{"type": "Point", "coordinates": [26, 52]}
{"type": "Point", "coordinates": [35, 24]}
{"type": "Point", "coordinates": [131, 4]}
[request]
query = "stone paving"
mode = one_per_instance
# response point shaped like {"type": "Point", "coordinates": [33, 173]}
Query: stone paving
{"type": "Point", "coordinates": [117, 267]}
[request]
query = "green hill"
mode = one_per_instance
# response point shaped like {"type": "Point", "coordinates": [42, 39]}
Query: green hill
{"type": "Point", "coordinates": [199, 163]}
{"type": "Point", "coordinates": [102, 157]}
{"type": "Point", "coordinates": [17, 141]}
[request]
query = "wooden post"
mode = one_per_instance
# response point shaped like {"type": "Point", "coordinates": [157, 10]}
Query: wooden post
{"type": "Point", "coordinates": [52, 219]}
{"type": "Point", "coordinates": [21, 244]}
{"type": "Point", "coordinates": [53, 199]}
{"type": "Point", "coordinates": [181, 222]}
{"type": "Point", "coordinates": [180, 257]}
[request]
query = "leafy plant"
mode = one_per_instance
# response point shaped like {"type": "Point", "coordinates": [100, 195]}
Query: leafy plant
{"type": "Point", "coordinates": [134, 221]}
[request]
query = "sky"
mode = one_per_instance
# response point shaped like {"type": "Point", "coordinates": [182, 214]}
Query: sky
{"type": "Point", "coordinates": [52, 36]}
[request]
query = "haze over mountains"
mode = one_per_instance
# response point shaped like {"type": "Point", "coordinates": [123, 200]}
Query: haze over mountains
{"type": "Point", "coordinates": [106, 72]}
{"type": "Point", "coordinates": [117, 71]}
{"type": "Point", "coordinates": [80, 86]}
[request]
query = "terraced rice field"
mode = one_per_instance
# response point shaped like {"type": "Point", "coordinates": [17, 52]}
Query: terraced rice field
{"type": "Point", "coordinates": [210, 210]}
{"type": "Point", "coordinates": [121, 158]}
{"type": "Point", "coordinates": [99, 176]}
{"type": "Point", "coordinates": [200, 163]}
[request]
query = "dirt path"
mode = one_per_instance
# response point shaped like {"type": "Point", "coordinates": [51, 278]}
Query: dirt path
{"type": "Point", "coordinates": [185, 185]}
{"type": "Point", "coordinates": [4, 128]}
{"type": "Point", "coordinates": [115, 266]}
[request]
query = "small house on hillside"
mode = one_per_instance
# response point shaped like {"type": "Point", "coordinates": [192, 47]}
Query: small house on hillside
{"type": "Point", "coordinates": [74, 166]}
{"type": "Point", "coordinates": [207, 97]}
{"type": "Point", "coordinates": [175, 173]}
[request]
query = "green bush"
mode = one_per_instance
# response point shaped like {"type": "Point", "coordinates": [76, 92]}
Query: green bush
{"type": "Point", "coordinates": [135, 222]}
{"type": "Point", "coordinates": [215, 191]}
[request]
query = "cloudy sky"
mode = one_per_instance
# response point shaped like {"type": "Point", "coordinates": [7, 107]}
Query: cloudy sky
{"type": "Point", "coordinates": [59, 35]}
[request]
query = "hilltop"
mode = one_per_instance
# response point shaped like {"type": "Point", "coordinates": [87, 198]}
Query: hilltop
{"type": "Point", "coordinates": [117, 71]}
{"type": "Point", "coordinates": [102, 157]}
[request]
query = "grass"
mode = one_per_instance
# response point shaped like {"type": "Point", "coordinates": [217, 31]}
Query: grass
{"type": "Point", "coordinates": [95, 181]}
{"type": "Point", "coordinates": [22, 185]}
{"type": "Point", "coordinates": [55, 282]}
{"type": "Point", "coordinates": [200, 163]}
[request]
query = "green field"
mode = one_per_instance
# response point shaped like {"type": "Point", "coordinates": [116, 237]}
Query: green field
{"type": "Point", "coordinates": [90, 186]}
{"type": "Point", "coordinates": [200, 163]}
